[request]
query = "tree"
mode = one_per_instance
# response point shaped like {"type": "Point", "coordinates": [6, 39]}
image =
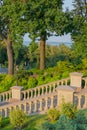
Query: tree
{"type": "Point", "coordinates": [11, 27]}
{"type": "Point", "coordinates": [3, 55]}
{"type": "Point", "coordinates": [79, 30]}
{"type": "Point", "coordinates": [43, 19]}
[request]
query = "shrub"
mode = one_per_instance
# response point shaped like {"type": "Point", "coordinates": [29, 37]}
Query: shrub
{"type": "Point", "coordinates": [6, 83]}
{"type": "Point", "coordinates": [0, 121]}
{"type": "Point", "coordinates": [18, 118]}
{"type": "Point", "coordinates": [53, 114]}
{"type": "Point", "coordinates": [32, 82]}
{"type": "Point", "coordinates": [68, 109]}
{"type": "Point", "coordinates": [46, 126]}
{"type": "Point", "coordinates": [64, 123]}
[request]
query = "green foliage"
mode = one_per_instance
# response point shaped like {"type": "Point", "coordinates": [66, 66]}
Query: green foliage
{"type": "Point", "coordinates": [53, 114]}
{"type": "Point", "coordinates": [0, 121]}
{"type": "Point", "coordinates": [46, 126]}
{"type": "Point", "coordinates": [84, 63]}
{"type": "Point", "coordinates": [32, 82]}
{"type": "Point", "coordinates": [65, 123]}
{"type": "Point", "coordinates": [68, 109]}
{"type": "Point", "coordinates": [18, 118]}
{"type": "Point", "coordinates": [64, 66]}
{"type": "Point", "coordinates": [6, 83]}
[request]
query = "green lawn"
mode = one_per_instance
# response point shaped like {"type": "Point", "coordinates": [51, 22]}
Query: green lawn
{"type": "Point", "coordinates": [33, 121]}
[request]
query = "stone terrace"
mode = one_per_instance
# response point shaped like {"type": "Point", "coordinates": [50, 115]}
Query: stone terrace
{"type": "Point", "coordinates": [44, 97]}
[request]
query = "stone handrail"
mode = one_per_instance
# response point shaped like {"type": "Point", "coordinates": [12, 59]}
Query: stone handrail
{"type": "Point", "coordinates": [43, 89]}
{"type": "Point", "coordinates": [5, 96]}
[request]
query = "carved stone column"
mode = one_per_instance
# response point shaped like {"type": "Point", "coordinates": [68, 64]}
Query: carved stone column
{"type": "Point", "coordinates": [38, 92]}
{"type": "Point", "coordinates": [46, 104]}
{"type": "Point", "coordinates": [35, 106]}
{"type": "Point", "coordinates": [79, 101]}
{"type": "Point", "coordinates": [40, 104]}
{"type": "Point", "coordinates": [52, 102]}
{"type": "Point", "coordinates": [6, 113]}
{"type": "Point", "coordinates": [25, 108]}
{"type": "Point", "coordinates": [30, 107]}
{"type": "Point", "coordinates": [85, 103]}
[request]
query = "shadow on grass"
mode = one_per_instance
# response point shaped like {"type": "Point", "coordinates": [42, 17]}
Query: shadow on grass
{"type": "Point", "coordinates": [34, 121]}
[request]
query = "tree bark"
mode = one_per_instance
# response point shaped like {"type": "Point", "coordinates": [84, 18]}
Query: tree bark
{"type": "Point", "coordinates": [10, 56]}
{"type": "Point", "coordinates": [42, 54]}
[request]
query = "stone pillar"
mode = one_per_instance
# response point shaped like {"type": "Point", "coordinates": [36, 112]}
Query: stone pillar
{"type": "Point", "coordinates": [6, 113]}
{"type": "Point", "coordinates": [30, 107]}
{"type": "Point", "coordinates": [46, 104]}
{"type": "Point", "coordinates": [85, 82]}
{"type": "Point", "coordinates": [38, 92]}
{"type": "Point", "coordinates": [35, 93]}
{"type": "Point", "coordinates": [42, 90]}
{"type": "Point", "coordinates": [25, 108]}
{"type": "Point", "coordinates": [40, 104]}
{"type": "Point", "coordinates": [35, 106]}
{"type": "Point", "coordinates": [76, 79]}
{"type": "Point", "coordinates": [46, 89]}
{"type": "Point", "coordinates": [65, 82]}
{"type": "Point", "coordinates": [50, 89]}
{"type": "Point", "coordinates": [24, 95]}
{"type": "Point", "coordinates": [79, 101]}
{"type": "Point", "coordinates": [85, 103]}
{"type": "Point", "coordinates": [31, 94]}
{"type": "Point", "coordinates": [52, 105]}
{"type": "Point", "coordinates": [16, 92]}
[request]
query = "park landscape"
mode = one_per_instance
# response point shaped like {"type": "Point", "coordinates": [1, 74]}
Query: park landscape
{"type": "Point", "coordinates": [40, 64]}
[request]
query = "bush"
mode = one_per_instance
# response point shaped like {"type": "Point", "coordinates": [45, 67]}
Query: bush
{"type": "Point", "coordinates": [64, 123]}
{"type": "Point", "coordinates": [32, 82]}
{"type": "Point", "coordinates": [6, 83]}
{"type": "Point", "coordinates": [0, 121]}
{"type": "Point", "coordinates": [68, 109]}
{"type": "Point", "coordinates": [18, 118]}
{"type": "Point", "coordinates": [53, 114]}
{"type": "Point", "coordinates": [46, 126]}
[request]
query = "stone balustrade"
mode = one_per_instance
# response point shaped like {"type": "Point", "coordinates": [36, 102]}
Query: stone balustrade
{"type": "Point", "coordinates": [5, 96]}
{"type": "Point", "coordinates": [32, 106]}
{"type": "Point", "coordinates": [44, 97]}
{"type": "Point", "coordinates": [43, 89]}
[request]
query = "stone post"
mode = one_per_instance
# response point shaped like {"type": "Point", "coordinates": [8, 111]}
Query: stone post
{"type": "Point", "coordinates": [35, 106]}
{"type": "Point", "coordinates": [76, 79]}
{"type": "Point", "coordinates": [85, 104]}
{"type": "Point", "coordinates": [6, 113]}
{"type": "Point", "coordinates": [46, 104]}
{"type": "Point", "coordinates": [79, 101]}
{"type": "Point", "coordinates": [40, 104]}
{"type": "Point", "coordinates": [52, 101]}
{"type": "Point", "coordinates": [16, 92]}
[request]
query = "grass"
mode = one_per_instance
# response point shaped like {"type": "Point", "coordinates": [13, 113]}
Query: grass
{"type": "Point", "coordinates": [33, 121]}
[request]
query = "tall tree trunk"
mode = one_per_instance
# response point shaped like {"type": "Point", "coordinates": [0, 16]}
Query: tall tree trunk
{"type": "Point", "coordinates": [42, 54]}
{"type": "Point", "coordinates": [10, 56]}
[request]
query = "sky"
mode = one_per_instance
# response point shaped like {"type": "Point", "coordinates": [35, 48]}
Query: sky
{"type": "Point", "coordinates": [65, 38]}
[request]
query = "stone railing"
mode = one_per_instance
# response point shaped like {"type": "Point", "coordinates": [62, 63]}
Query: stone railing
{"type": "Point", "coordinates": [43, 97]}
{"type": "Point", "coordinates": [31, 106]}
{"type": "Point", "coordinates": [5, 96]}
{"type": "Point", "coordinates": [43, 89]}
